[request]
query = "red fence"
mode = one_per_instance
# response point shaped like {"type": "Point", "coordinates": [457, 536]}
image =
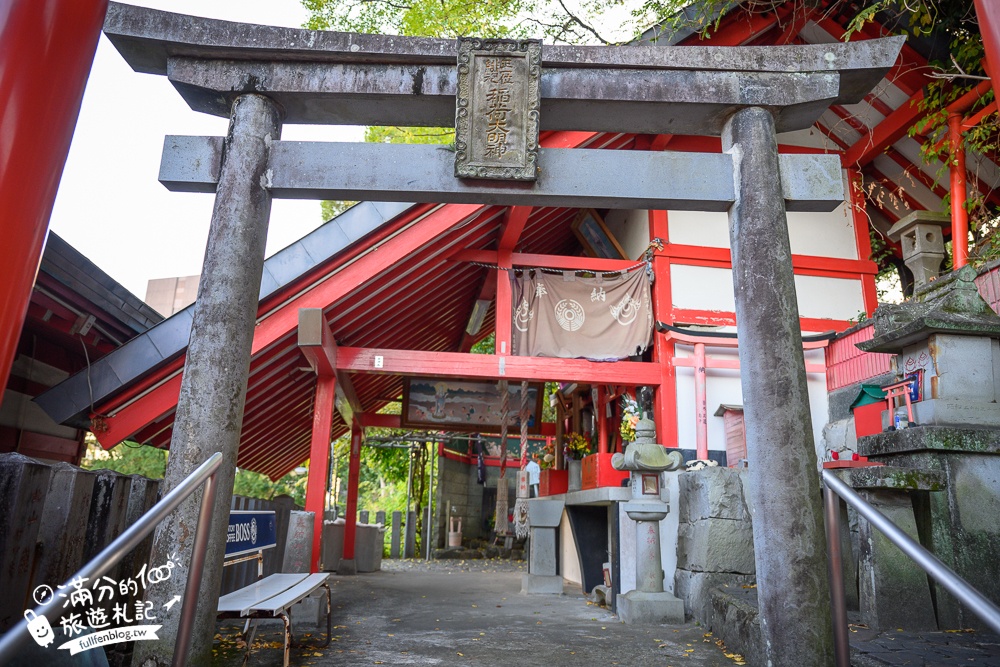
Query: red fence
{"type": "Point", "coordinates": [847, 365]}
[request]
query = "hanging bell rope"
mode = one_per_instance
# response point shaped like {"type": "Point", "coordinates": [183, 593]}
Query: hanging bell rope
{"type": "Point", "coordinates": [521, 504]}
{"type": "Point", "coordinates": [500, 524]}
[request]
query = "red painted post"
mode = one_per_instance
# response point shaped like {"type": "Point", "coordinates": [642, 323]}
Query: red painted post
{"type": "Point", "coordinates": [600, 416]}
{"type": "Point", "coordinates": [665, 399]}
{"type": "Point", "coordinates": [503, 304]}
{"type": "Point", "coordinates": [46, 50]}
{"type": "Point", "coordinates": [319, 461]}
{"type": "Point", "coordinates": [959, 216]}
{"type": "Point", "coordinates": [700, 402]}
{"type": "Point", "coordinates": [353, 479]}
{"type": "Point", "coordinates": [988, 13]}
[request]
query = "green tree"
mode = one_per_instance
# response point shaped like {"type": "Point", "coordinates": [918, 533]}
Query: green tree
{"type": "Point", "coordinates": [128, 458]}
{"type": "Point", "coordinates": [331, 209]}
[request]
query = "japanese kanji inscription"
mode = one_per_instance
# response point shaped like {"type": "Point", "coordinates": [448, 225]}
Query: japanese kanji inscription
{"type": "Point", "coordinates": [496, 118]}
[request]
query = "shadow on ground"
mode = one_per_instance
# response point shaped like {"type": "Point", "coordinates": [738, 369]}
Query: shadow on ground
{"type": "Point", "coordinates": [469, 613]}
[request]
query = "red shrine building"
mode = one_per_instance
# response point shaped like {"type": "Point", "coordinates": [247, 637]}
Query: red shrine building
{"type": "Point", "coordinates": [405, 291]}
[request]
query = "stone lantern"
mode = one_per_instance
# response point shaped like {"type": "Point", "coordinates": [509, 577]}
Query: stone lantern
{"type": "Point", "coordinates": [646, 460]}
{"type": "Point", "coordinates": [919, 235]}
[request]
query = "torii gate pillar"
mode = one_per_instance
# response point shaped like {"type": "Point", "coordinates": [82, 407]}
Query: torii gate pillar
{"type": "Point", "coordinates": [209, 414]}
{"type": "Point", "coordinates": [783, 490]}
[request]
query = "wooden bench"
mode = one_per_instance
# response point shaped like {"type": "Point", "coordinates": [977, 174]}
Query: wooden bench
{"type": "Point", "coordinates": [273, 596]}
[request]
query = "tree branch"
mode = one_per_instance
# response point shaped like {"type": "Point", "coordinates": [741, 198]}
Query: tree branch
{"type": "Point", "coordinates": [583, 25]}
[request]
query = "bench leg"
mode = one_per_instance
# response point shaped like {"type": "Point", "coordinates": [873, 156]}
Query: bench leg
{"type": "Point", "coordinates": [250, 625]}
{"type": "Point", "coordinates": [288, 636]}
{"type": "Point", "coordinates": [329, 607]}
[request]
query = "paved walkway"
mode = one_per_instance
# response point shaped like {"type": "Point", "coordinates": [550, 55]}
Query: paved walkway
{"type": "Point", "coordinates": [925, 649]}
{"type": "Point", "coordinates": [472, 613]}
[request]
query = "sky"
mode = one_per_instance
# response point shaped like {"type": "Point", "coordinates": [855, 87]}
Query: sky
{"type": "Point", "coordinates": [110, 206]}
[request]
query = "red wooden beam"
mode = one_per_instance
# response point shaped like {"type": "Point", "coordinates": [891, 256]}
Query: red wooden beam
{"type": "Point", "coordinates": [377, 420]}
{"type": "Point", "coordinates": [316, 342]}
{"type": "Point", "coordinates": [978, 117]}
{"type": "Point", "coordinates": [729, 364]}
{"type": "Point", "coordinates": [418, 264]}
{"type": "Point", "coordinates": [517, 218]}
{"type": "Point", "coordinates": [889, 131]}
{"type": "Point", "coordinates": [558, 262]}
{"type": "Point", "coordinates": [158, 401]}
{"type": "Point", "coordinates": [723, 258]}
{"type": "Point", "coordinates": [494, 366]}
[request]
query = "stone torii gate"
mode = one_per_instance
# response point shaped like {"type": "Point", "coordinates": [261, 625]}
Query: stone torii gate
{"type": "Point", "coordinates": [262, 76]}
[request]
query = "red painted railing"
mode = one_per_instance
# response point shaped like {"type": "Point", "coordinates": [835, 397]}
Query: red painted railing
{"type": "Point", "coordinates": [847, 365]}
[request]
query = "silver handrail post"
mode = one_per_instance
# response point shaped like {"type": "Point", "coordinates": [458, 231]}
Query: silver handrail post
{"type": "Point", "coordinates": [838, 599]}
{"type": "Point", "coordinates": [198, 552]}
{"type": "Point", "coordinates": [977, 603]}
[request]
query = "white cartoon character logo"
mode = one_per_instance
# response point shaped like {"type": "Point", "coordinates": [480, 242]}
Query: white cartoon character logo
{"type": "Point", "coordinates": [39, 628]}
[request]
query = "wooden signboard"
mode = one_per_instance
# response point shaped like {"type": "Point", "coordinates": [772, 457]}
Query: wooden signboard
{"type": "Point", "coordinates": [459, 405]}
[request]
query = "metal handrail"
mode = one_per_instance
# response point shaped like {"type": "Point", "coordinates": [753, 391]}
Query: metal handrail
{"type": "Point", "coordinates": [977, 603]}
{"type": "Point", "coordinates": [129, 540]}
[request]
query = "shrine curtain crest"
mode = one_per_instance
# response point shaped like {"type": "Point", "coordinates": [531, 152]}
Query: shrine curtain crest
{"type": "Point", "coordinates": [603, 318]}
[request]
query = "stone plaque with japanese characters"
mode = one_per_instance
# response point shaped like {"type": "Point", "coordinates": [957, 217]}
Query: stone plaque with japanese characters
{"type": "Point", "coordinates": [496, 119]}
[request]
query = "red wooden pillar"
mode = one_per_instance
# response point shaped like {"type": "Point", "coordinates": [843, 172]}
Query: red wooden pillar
{"type": "Point", "coordinates": [601, 417]}
{"type": "Point", "coordinates": [46, 50]}
{"type": "Point", "coordinates": [665, 398]}
{"type": "Point", "coordinates": [319, 461]}
{"type": "Point", "coordinates": [988, 13]}
{"type": "Point", "coordinates": [700, 402]}
{"type": "Point", "coordinates": [959, 216]}
{"type": "Point", "coordinates": [353, 479]}
{"type": "Point", "coordinates": [503, 308]}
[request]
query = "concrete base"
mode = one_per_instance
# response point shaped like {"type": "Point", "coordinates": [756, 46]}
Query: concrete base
{"type": "Point", "coordinates": [636, 607]}
{"type": "Point", "coordinates": [541, 584]}
{"type": "Point", "coordinates": [347, 567]}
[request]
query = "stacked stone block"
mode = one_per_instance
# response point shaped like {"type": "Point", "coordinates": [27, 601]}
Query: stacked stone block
{"type": "Point", "coordinates": [715, 537]}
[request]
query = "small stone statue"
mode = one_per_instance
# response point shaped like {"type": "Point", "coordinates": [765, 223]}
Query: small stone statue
{"type": "Point", "coordinates": [644, 396]}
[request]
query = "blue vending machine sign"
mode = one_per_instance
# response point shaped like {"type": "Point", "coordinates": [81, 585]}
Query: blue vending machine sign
{"type": "Point", "coordinates": [250, 531]}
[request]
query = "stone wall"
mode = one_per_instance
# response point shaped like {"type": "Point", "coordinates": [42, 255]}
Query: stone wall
{"type": "Point", "coordinates": [715, 538]}
{"type": "Point", "coordinates": [457, 483]}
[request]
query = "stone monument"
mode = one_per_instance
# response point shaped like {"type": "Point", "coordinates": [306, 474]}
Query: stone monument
{"type": "Point", "coordinates": [947, 466]}
{"type": "Point", "coordinates": [645, 460]}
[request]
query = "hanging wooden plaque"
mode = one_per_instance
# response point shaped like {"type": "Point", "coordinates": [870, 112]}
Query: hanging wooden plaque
{"type": "Point", "coordinates": [496, 116]}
